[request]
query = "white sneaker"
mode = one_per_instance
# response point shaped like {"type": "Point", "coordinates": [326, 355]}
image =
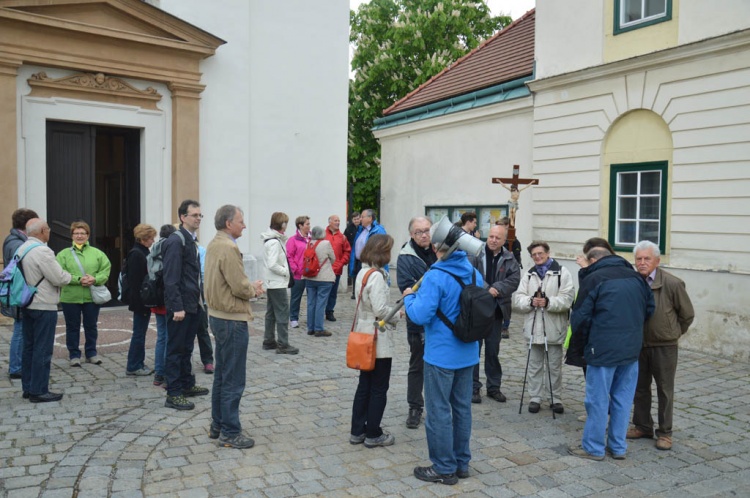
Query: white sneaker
{"type": "Point", "coordinates": [75, 362]}
{"type": "Point", "coordinates": [294, 324]}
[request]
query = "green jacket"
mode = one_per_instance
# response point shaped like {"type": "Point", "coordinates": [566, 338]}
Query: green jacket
{"type": "Point", "coordinates": [95, 263]}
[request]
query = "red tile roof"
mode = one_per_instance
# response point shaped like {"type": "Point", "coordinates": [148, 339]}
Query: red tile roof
{"type": "Point", "coordinates": [507, 56]}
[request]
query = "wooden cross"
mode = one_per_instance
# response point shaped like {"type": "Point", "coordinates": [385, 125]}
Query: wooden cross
{"type": "Point", "coordinates": [511, 185]}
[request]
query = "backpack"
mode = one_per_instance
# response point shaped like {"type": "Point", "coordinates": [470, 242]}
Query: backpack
{"type": "Point", "coordinates": [152, 289]}
{"type": "Point", "coordinates": [477, 311]}
{"type": "Point", "coordinates": [15, 292]}
{"type": "Point", "coordinates": [123, 283]}
{"type": "Point", "coordinates": [310, 263]}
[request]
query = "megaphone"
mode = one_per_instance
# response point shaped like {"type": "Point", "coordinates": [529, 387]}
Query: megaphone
{"type": "Point", "coordinates": [448, 235]}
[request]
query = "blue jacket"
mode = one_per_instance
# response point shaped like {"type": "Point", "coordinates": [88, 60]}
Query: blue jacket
{"type": "Point", "coordinates": [181, 273]}
{"type": "Point", "coordinates": [376, 228]}
{"type": "Point", "coordinates": [439, 290]}
{"type": "Point", "coordinates": [613, 303]}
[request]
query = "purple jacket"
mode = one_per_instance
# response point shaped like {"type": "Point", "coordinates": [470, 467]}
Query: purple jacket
{"type": "Point", "coordinates": [295, 251]}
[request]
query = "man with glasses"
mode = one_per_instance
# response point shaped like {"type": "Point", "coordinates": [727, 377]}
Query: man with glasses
{"type": "Point", "coordinates": [182, 297]}
{"type": "Point", "coordinates": [414, 260]}
{"type": "Point", "coordinates": [501, 276]}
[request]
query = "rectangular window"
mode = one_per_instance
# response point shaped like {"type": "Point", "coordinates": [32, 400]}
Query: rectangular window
{"type": "Point", "coordinates": [637, 204]}
{"type": "Point", "coordinates": [486, 215]}
{"type": "Point", "coordinates": [634, 14]}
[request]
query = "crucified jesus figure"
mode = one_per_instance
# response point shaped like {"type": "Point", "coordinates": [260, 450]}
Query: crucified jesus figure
{"type": "Point", "coordinates": [515, 193]}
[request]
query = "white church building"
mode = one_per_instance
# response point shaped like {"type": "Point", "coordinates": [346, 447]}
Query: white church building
{"type": "Point", "coordinates": [634, 117]}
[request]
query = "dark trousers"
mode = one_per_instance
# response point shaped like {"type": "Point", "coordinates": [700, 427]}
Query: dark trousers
{"type": "Point", "coordinates": [72, 313]}
{"type": "Point", "coordinates": [659, 363]}
{"type": "Point", "coordinates": [229, 377]}
{"type": "Point", "coordinates": [277, 317]}
{"type": "Point", "coordinates": [357, 267]}
{"type": "Point", "coordinates": [137, 351]}
{"type": "Point", "coordinates": [297, 290]}
{"type": "Point", "coordinates": [38, 341]}
{"type": "Point", "coordinates": [180, 341]}
{"type": "Point", "coordinates": [415, 375]}
{"type": "Point", "coordinates": [204, 340]}
{"type": "Point", "coordinates": [331, 306]}
{"type": "Point", "coordinates": [492, 368]}
{"type": "Point", "coordinates": [370, 399]}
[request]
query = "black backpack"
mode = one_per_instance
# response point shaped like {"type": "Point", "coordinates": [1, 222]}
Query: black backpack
{"type": "Point", "coordinates": [152, 288]}
{"type": "Point", "coordinates": [477, 311]}
{"type": "Point", "coordinates": [123, 283]}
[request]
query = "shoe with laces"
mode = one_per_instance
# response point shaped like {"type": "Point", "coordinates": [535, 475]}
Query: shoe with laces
{"type": "Point", "coordinates": [178, 403]}
{"type": "Point", "coordinates": [214, 431]}
{"type": "Point", "coordinates": [75, 362]}
{"type": "Point", "coordinates": [353, 439]}
{"type": "Point", "coordinates": [476, 397]}
{"type": "Point", "coordinates": [430, 475]}
{"type": "Point", "coordinates": [384, 439]}
{"type": "Point", "coordinates": [664, 443]}
{"type": "Point", "coordinates": [286, 349]}
{"type": "Point", "coordinates": [94, 360]}
{"type": "Point", "coordinates": [239, 441]}
{"type": "Point", "coordinates": [141, 372]}
{"type": "Point", "coordinates": [636, 433]}
{"type": "Point", "coordinates": [195, 391]}
{"type": "Point", "coordinates": [322, 333]}
{"type": "Point", "coordinates": [497, 396]}
{"type": "Point", "coordinates": [269, 345]}
{"type": "Point", "coordinates": [414, 418]}
{"type": "Point", "coordinates": [621, 456]}
{"type": "Point", "coordinates": [579, 452]}
{"type": "Point", "coordinates": [330, 317]}
{"type": "Point", "coordinates": [208, 368]}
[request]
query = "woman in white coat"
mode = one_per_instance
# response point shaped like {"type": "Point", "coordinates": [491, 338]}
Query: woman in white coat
{"type": "Point", "coordinates": [276, 283]}
{"type": "Point", "coordinates": [545, 294]}
{"type": "Point", "coordinates": [372, 305]}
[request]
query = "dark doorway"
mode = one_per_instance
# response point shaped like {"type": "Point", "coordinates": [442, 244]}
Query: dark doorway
{"type": "Point", "coordinates": [93, 174]}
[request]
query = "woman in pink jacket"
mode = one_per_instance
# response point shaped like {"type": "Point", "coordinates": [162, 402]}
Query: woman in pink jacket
{"type": "Point", "coordinates": [295, 250]}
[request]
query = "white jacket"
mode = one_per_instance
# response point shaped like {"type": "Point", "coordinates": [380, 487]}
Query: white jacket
{"type": "Point", "coordinates": [374, 306]}
{"type": "Point", "coordinates": [274, 258]}
{"type": "Point", "coordinates": [554, 318]}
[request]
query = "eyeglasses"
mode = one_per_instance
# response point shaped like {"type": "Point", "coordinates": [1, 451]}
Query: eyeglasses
{"type": "Point", "coordinates": [538, 254]}
{"type": "Point", "coordinates": [196, 216]}
{"type": "Point", "coordinates": [420, 233]}
{"type": "Point", "coordinates": [79, 234]}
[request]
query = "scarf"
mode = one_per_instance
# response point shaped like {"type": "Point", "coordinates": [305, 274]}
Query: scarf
{"type": "Point", "coordinates": [426, 254]}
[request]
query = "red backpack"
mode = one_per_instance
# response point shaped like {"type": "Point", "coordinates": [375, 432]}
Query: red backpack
{"type": "Point", "coordinates": [310, 263]}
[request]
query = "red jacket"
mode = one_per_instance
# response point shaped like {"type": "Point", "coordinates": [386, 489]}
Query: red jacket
{"type": "Point", "coordinates": [341, 249]}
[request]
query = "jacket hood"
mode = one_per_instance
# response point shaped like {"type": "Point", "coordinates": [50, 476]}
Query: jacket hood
{"type": "Point", "coordinates": [609, 261]}
{"type": "Point", "coordinates": [407, 249]}
{"type": "Point", "coordinates": [272, 234]}
{"type": "Point", "coordinates": [458, 264]}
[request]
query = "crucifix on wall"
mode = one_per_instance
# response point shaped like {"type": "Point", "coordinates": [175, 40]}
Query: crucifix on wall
{"type": "Point", "coordinates": [511, 185]}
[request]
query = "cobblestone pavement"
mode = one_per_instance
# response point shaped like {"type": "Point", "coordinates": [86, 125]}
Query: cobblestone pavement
{"type": "Point", "coordinates": [112, 436]}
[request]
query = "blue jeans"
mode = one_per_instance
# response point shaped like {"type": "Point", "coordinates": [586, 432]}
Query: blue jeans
{"type": "Point", "coordinates": [38, 341]}
{"type": "Point", "coordinates": [180, 342]}
{"type": "Point", "coordinates": [160, 351]}
{"type": "Point", "coordinates": [231, 338]}
{"type": "Point", "coordinates": [370, 399]}
{"type": "Point", "coordinates": [16, 347]}
{"type": "Point", "coordinates": [333, 295]}
{"type": "Point", "coordinates": [317, 298]}
{"type": "Point", "coordinates": [72, 313]}
{"type": "Point", "coordinates": [137, 351]}
{"type": "Point", "coordinates": [447, 398]}
{"type": "Point", "coordinates": [297, 290]}
{"type": "Point", "coordinates": [608, 389]}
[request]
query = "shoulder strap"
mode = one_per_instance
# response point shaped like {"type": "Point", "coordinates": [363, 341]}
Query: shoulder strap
{"type": "Point", "coordinates": [182, 237]}
{"type": "Point", "coordinates": [359, 299]}
{"type": "Point", "coordinates": [80, 266]}
{"type": "Point", "coordinates": [21, 256]}
{"type": "Point", "coordinates": [440, 313]}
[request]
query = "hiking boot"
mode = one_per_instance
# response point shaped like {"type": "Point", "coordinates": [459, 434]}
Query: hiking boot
{"type": "Point", "coordinates": [160, 381]}
{"type": "Point", "coordinates": [214, 431]}
{"type": "Point", "coordinates": [497, 396]}
{"type": "Point", "coordinates": [330, 317]}
{"type": "Point", "coordinates": [141, 372]}
{"type": "Point", "coordinates": [294, 324]}
{"type": "Point", "coordinates": [208, 368]}
{"type": "Point", "coordinates": [428, 474]}
{"type": "Point", "coordinates": [178, 403]}
{"type": "Point", "coordinates": [505, 334]}
{"type": "Point", "coordinates": [239, 441]}
{"type": "Point", "coordinates": [534, 407]}
{"type": "Point", "coordinates": [194, 391]}
{"type": "Point", "coordinates": [356, 439]}
{"type": "Point", "coordinates": [94, 360]}
{"type": "Point", "coordinates": [557, 407]}
{"type": "Point", "coordinates": [75, 362]}
{"type": "Point", "coordinates": [664, 443]}
{"type": "Point", "coordinates": [322, 333]}
{"type": "Point", "coordinates": [579, 452]}
{"type": "Point", "coordinates": [636, 433]}
{"type": "Point", "coordinates": [384, 439]}
{"type": "Point", "coordinates": [268, 345]}
{"type": "Point", "coordinates": [476, 397]}
{"type": "Point", "coordinates": [414, 418]}
{"type": "Point", "coordinates": [286, 349]}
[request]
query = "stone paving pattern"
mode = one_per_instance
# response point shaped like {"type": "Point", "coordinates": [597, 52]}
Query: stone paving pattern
{"type": "Point", "coordinates": [112, 436]}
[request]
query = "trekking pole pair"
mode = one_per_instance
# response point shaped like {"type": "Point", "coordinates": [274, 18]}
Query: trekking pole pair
{"type": "Point", "coordinates": [539, 293]}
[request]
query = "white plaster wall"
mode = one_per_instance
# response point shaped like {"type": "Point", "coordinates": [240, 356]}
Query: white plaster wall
{"type": "Point", "coordinates": [274, 113]}
{"type": "Point", "coordinates": [569, 36]}
{"type": "Point", "coordinates": [451, 160]}
{"type": "Point", "coordinates": [724, 16]}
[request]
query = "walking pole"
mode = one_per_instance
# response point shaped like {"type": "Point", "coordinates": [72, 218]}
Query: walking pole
{"type": "Point", "coordinates": [528, 357]}
{"type": "Point", "coordinates": [549, 372]}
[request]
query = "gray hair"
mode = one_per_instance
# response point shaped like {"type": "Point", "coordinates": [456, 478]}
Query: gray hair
{"type": "Point", "coordinates": [598, 253]}
{"type": "Point", "coordinates": [647, 244]}
{"type": "Point", "coordinates": [35, 226]}
{"type": "Point", "coordinates": [418, 218]}
{"type": "Point", "coordinates": [369, 212]}
{"type": "Point", "coordinates": [223, 214]}
{"type": "Point", "coordinates": [318, 233]}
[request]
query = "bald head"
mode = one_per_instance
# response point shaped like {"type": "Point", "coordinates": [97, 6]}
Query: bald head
{"type": "Point", "coordinates": [37, 228]}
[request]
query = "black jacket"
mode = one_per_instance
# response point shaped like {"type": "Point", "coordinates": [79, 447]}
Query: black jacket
{"type": "Point", "coordinates": [613, 303]}
{"type": "Point", "coordinates": [137, 270]}
{"type": "Point", "coordinates": [182, 270]}
{"type": "Point", "coordinates": [410, 269]}
{"type": "Point", "coordinates": [351, 233]}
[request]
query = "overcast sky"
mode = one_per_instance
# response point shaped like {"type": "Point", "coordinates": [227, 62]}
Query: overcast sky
{"type": "Point", "coordinates": [516, 8]}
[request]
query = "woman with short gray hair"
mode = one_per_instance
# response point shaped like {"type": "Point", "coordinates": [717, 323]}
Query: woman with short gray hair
{"type": "Point", "coordinates": [319, 285]}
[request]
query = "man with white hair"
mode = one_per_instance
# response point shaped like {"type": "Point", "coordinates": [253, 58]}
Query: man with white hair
{"type": "Point", "coordinates": [658, 359]}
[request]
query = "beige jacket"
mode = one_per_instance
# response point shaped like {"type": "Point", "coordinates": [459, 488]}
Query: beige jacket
{"type": "Point", "coordinates": [227, 288]}
{"type": "Point", "coordinates": [40, 262]}
{"type": "Point", "coordinates": [374, 306]}
{"type": "Point", "coordinates": [326, 257]}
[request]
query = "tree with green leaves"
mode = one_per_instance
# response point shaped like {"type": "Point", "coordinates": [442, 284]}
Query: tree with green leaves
{"type": "Point", "coordinates": [399, 45]}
